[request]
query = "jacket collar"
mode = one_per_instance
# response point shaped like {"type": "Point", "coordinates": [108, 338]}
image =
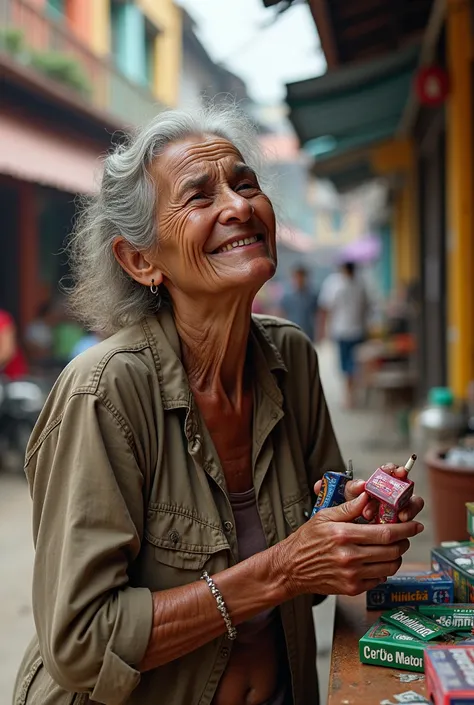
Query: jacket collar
{"type": "Point", "coordinates": [166, 348]}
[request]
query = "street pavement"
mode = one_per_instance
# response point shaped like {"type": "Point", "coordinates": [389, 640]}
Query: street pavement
{"type": "Point", "coordinates": [355, 430]}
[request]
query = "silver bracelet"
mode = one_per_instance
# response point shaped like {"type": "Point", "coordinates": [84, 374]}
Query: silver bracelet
{"type": "Point", "coordinates": [231, 630]}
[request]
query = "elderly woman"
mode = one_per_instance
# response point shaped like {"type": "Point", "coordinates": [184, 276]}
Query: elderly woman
{"type": "Point", "coordinates": [174, 466]}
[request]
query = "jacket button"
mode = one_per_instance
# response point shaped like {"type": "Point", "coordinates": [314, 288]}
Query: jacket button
{"type": "Point", "coordinates": [174, 536]}
{"type": "Point", "coordinates": [195, 443]}
{"type": "Point", "coordinates": [225, 652]}
{"type": "Point", "coordinates": [228, 526]}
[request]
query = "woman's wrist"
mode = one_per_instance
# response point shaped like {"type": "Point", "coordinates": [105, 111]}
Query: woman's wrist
{"type": "Point", "coordinates": [282, 569]}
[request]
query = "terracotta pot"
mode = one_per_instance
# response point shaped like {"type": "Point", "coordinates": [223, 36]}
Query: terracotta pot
{"type": "Point", "coordinates": [451, 487]}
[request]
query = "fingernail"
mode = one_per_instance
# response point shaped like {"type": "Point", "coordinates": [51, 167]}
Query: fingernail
{"type": "Point", "coordinates": [420, 528]}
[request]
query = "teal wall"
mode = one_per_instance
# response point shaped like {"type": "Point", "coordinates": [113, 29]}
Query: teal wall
{"type": "Point", "coordinates": [128, 41]}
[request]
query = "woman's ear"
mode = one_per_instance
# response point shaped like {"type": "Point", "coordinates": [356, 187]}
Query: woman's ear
{"type": "Point", "coordinates": [137, 264]}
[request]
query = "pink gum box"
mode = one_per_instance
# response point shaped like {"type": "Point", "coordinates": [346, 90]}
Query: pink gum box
{"type": "Point", "coordinates": [389, 489]}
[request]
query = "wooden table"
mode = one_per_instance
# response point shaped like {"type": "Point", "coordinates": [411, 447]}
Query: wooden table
{"type": "Point", "coordinates": [354, 683]}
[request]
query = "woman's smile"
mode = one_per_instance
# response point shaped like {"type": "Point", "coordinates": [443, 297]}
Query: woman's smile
{"type": "Point", "coordinates": [239, 243]}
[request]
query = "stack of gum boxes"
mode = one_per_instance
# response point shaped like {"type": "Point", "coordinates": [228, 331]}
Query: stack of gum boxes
{"type": "Point", "coordinates": [424, 609]}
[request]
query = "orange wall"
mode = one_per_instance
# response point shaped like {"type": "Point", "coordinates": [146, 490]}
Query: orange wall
{"type": "Point", "coordinates": [79, 18]}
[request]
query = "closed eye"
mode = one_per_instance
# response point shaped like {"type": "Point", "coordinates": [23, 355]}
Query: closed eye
{"type": "Point", "coordinates": [197, 197]}
{"type": "Point", "coordinates": [243, 187]}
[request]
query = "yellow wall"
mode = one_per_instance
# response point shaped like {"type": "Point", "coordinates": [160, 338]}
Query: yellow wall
{"type": "Point", "coordinates": [460, 198]}
{"type": "Point", "coordinates": [405, 234]}
{"type": "Point", "coordinates": [352, 227]}
{"type": "Point", "coordinates": [396, 157]}
{"type": "Point", "coordinates": [166, 16]}
{"type": "Point", "coordinates": [100, 34]}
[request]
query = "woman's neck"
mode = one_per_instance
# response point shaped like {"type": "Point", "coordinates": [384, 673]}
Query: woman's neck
{"type": "Point", "coordinates": [214, 344]}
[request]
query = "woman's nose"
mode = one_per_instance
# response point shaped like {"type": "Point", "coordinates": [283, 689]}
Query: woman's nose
{"type": "Point", "coordinates": [235, 207]}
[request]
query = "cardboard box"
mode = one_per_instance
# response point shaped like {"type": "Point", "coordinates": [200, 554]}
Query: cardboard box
{"type": "Point", "coordinates": [450, 674]}
{"type": "Point", "coordinates": [457, 559]}
{"type": "Point", "coordinates": [385, 645]}
{"type": "Point", "coordinates": [470, 518]}
{"type": "Point", "coordinates": [411, 589]}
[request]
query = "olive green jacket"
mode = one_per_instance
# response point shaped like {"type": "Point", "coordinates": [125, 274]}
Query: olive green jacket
{"type": "Point", "coordinates": [129, 498]}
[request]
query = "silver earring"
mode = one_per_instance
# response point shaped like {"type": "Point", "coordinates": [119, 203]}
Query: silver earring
{"type": "Point", "coordinates": [153, 288]}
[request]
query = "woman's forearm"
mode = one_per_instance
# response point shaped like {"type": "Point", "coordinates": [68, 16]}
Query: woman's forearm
{"type": "Point", "coordinates": [187, 617]}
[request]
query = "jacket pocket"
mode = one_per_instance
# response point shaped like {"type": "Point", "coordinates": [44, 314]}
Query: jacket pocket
{"type": "Point", "coordinates": [24, 687]}
{"type": "Point", "coordinates": [181, 559]}
{"type": "Point", "coordinates": [34, 685]}
{"type": "Point", "coordinates": [297, 511]}
{"type": "Point", "coordinates": [183, 543]}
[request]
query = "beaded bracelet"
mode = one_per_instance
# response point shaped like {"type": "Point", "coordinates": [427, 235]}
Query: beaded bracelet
{"type": "Point", "coordinates": [231, 630]}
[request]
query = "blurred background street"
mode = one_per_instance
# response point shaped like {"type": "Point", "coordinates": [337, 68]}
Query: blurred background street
{"type": "Point", "coordinates": [364, 115]}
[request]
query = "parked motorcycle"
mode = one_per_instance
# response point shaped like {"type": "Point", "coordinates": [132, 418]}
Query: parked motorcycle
{"type": "Point", "coordinates": [20, 404]}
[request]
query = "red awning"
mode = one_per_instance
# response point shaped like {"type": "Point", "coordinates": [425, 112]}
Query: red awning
{"type": "Point", "coordinates": [31, 152]}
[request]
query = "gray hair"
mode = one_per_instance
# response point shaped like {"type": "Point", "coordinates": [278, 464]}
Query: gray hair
{"type": "Point", "coordinates": [103, 295]}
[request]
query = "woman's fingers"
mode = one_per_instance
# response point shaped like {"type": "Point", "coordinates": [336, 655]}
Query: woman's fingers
{"type": "Point", "coordinates": [376, 534]}
{"type": "Point", "coordinates": [383, 554]}
{"type": "Point", "coordinates": [353, 489]}
{"type": "Point", "coordinates": [373, 571]}
{"type": "Point", "coordinates": [317, 487]}
{"type": "Point", "coordinates": [412, 509]}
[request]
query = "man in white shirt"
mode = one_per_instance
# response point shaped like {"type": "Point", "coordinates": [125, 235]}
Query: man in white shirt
{"type": "Point", "coordinates": [344, 308]}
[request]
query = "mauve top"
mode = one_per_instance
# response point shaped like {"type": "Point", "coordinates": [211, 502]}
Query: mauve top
{"type": "Point", "coordinates": [251, 540]}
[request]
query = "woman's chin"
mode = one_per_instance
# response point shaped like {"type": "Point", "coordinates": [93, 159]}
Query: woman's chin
{"type": "Point", "coordinates": [256, 272]}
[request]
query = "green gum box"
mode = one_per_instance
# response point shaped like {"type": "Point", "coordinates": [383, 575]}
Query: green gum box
{"type": "Point", "coordinates": [415, 624]}
{"type": "Point", "coordinates": [459, 618]}
{"type": "Point", "coordinates": [385, 645]}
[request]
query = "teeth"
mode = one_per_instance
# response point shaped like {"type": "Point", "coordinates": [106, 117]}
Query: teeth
{"type": "Point", "coordinates": [238, 243]}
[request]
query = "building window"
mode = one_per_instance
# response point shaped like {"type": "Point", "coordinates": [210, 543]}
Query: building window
{"type": "Point", "coordinates": [133, 41]}
{"type": "Point", "coordinates": [55, 8]}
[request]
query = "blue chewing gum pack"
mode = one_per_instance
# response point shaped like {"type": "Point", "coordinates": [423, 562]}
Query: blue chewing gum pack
{"type": "Point", "coordinates": [332, 489]}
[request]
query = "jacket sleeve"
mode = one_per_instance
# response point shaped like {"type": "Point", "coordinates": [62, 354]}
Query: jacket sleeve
{"type": "Point", "coordinates": [88, 516]}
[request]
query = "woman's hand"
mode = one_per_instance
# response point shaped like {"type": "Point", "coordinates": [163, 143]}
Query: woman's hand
{"type": "Point", "coordinates": [330, 555]}
{"type": "Point", "coordinates": [356, 487]}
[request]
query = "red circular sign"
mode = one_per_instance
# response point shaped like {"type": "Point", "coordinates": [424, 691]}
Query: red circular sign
{"type": "Point", "coordinates": [432, 85]}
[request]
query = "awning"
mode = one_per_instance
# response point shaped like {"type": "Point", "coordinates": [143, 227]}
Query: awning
{"type": "Point", "coordinates": [31, 152]}
{"type": "Point", "coordinates": [350, 108]}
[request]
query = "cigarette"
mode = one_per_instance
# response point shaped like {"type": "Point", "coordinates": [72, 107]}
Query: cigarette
{"type": "Point", "coordinates": [350, 470]}
{"type": "Point", "coordinates": [410, 463]}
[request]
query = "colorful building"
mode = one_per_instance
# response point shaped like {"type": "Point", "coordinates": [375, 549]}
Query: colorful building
{"type": "Point", "coordinates": [396, 102]}
{"type": "Point", "coordinates": [74, 72]}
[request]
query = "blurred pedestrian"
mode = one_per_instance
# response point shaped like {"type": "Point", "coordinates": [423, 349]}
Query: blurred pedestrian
{"type": "Point", "coordinates": [39, 334]}
{"type": "Point", "coordinates": [299, 303]}
{"type": "Point", "coordinates": [12, 361]}
{"type": "Point", "coordinates": [344, 311]}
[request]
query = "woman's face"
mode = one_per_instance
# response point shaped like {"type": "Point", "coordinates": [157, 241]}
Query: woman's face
{"type": "Point", "coordinates": [216, 227]}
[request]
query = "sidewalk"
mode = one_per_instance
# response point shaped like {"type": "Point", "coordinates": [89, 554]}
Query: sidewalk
{"type": "Point", "coordinates": [16, 550]}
